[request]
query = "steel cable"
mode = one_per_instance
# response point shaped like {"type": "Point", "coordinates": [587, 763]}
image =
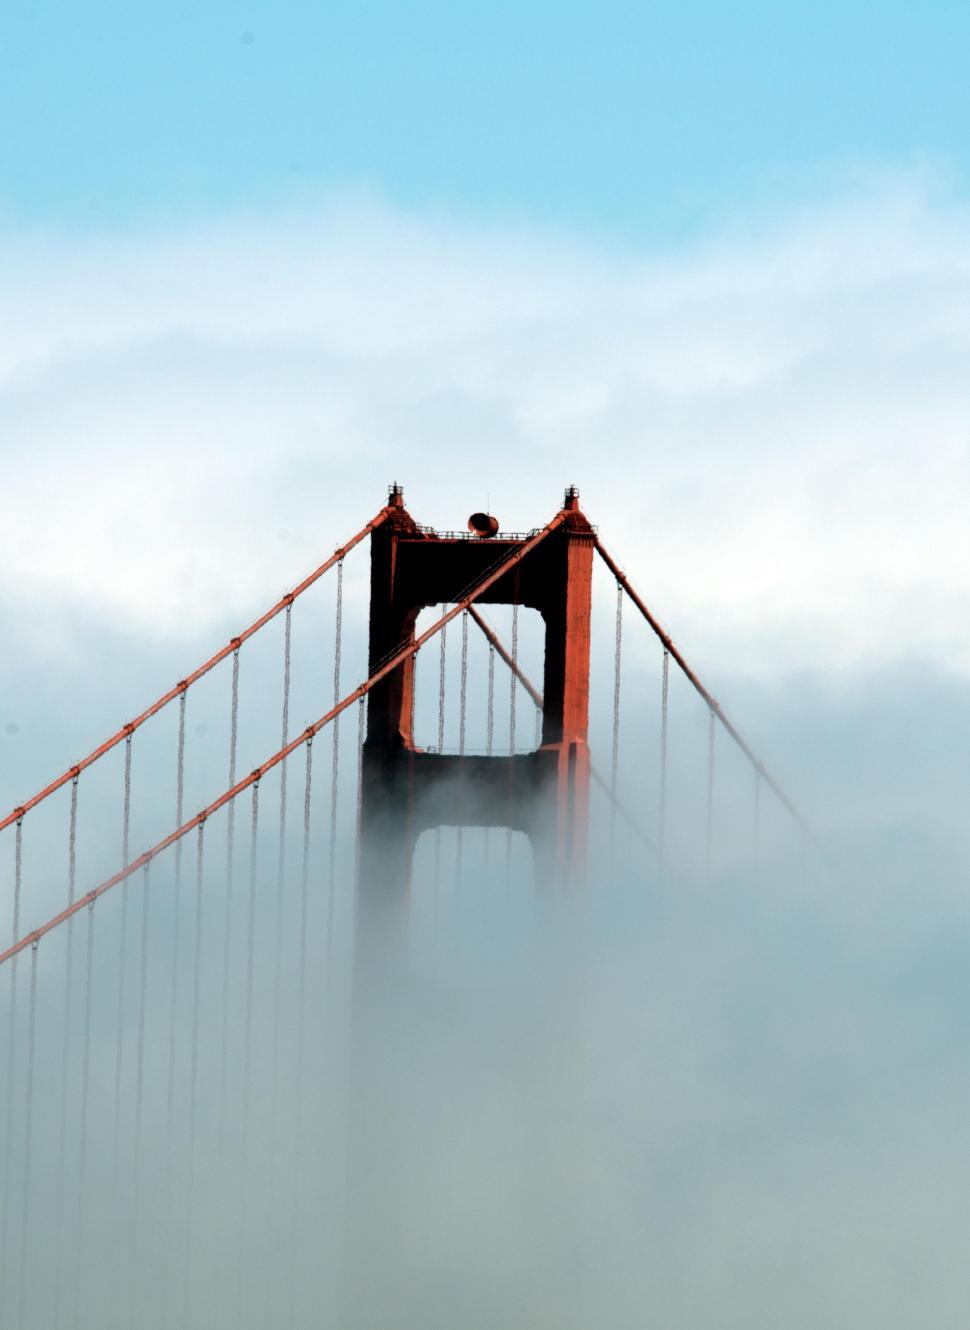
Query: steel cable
{"type": "Point", "coordinates": [301, 967]}
{"type": "Point", "coordinates": [281, 864]}
{"type": "Point", "coordinates": [696, 684]}
{"type": "Point", "coordinates": [442, 666]}
{"type": "Point", "coordinates": [490, 731]}
{"type": "Point", "coordinates": [173, 995]}
{"type": "Point", "coordinates": [188, 1209]}
{"type": "Point", "coordinates": [335, 765]}
{"type": "Point", "coordinates": [490, 713]}
{"type": "Point", "coordinates": [28, 1136]}
{"type": "Point", "coordinates": [360, 788]}
{"type": "Point", "coordinates": [662, 803]}
{"type": "Point", "coordinates": [392, 663]}
{"type": "Point", "coordinates": [710, 793]}
{"type": "Point", "coordinates": [120, 1023]}
{"type": "Point", "coordinates": [10, 1079]}
{"type": "Point", "coordinates": [227, 920]}
{"type": "Point", "coordinates": [190, 679]}
{"type": "Point", "coordinates": [247, 1051]}
{"type": "Point", "coordinates": [757, 816]}
{"type": "Point", "coordinates": [134, 1259]}
{"type": "Point", "coordinates": [59, 1211]}
{"type": "Point", "coordinates": [614, 765]}
{"type": "Point", "coordinates": [126, 815]}
{"type": "Point", "coordinates": [462, 716]}
{"type": "Point", "coordinates": [85, 1096]}
{"type": "Point", "coordinates": [280, 898]}
{"type": "Point", "coordinates": [512, 699]}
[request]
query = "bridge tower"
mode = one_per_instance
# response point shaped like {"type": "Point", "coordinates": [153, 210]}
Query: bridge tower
{"type": "Point", "coordinates": [406, 790]}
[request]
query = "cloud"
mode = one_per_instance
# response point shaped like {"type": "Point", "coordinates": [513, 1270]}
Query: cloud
{"type": "Point", "coordinates": [770, 429]}
{"type": "Point", "coordinates": [737, 1103]}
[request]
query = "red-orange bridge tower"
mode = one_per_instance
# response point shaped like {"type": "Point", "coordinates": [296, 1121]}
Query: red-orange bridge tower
{"type": "Point", "coordinates": [544, 793]}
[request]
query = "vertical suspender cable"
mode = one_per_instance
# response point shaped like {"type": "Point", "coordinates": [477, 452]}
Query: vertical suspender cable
{"type": "Point", "coordinates": [188, 1209]}
{"type": "Point", "coordinates": [490, 726]}
{"type": "Point", "coordinates": [616, 713]}
{"type": "Point", "coordinates": [227, 953]}
{"type": "Point", "coordinates": [133, 1262]}
{"type": "Point", "coordinates": [247, 1051]}
{"type": "Point", "coordinates": [490, 715]}
{"type": "Point", "coordinates": [173, 995]}
{"type": "Point", "coordinates": [442, 661]}
{"type": "Point", "coordinates": [126, 815]}
{"type": "Point", "coordinates": [116, 1208]}
{"type": "Point", "coordinates": [463, 684]}
{"type": "Point", "coordinates": [512, 683]}
{"type": "Point", "coordinates": [281, 867]}
{"type": "Point", "coordinates": [274, 1198]}
{"type": "Point", "coordinates": [360, 785]}
{"type": "Point", "coordinates": [757, 815]}
{"type": "Point", "coordinates": [462, 716]}
{"type": "Point", "coordinates": [59, 1212]}
{"type": "Point", "coordinates": [28, 1133]}
{"type": "Point", "coordinates": [227, 925]}
{"type": "Point", "coordinates": [335, 762]}
{"type": "Point", "coordinates": [710, 792]}
{"type": "Point", "coordinates": [512, 677]}
{"type": "Point", "coordinates": [85, 1093]}
{"type": "Point", "coordinates": [662, 803]}
{"type": "Point", "coordinates": [10, 1078]}
{"type": "Point", "coordinates": [301, 969]}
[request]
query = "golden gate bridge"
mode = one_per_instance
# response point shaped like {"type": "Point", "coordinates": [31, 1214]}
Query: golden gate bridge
{"type": "Point", "coordinates": [148, 1059]}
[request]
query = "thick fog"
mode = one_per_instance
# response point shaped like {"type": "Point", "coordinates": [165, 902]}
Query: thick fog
{"type": "Point", "coordinates": [728, 1092]}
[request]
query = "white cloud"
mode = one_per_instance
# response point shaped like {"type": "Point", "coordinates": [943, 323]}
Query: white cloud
{"type": "Point", "coordinates": [772, 431]}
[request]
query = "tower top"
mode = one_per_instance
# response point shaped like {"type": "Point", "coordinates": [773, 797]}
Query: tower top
{"type": "Point", "coordinates": [571, 498]}
{"type": "Point", "coordinates": [395, 495]}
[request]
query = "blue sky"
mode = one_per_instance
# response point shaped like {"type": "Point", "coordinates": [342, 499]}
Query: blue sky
{"type": "Point", "coordinates": [653, 121]}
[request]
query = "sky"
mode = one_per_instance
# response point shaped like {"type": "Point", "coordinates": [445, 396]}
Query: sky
{"type": "Point", "coordinates": [649, 121]}
{"type": "Point", "coordinates": [709, 263]}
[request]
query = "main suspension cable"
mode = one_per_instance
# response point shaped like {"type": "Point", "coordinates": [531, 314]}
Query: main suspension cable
{"type": "Point", "coordinates": [496, 644]}
{"type": "Point", "coordinates": [356, 695]}
{"type": "Point", "coordinates": [221, 655]}
{"type": "Point", "coordinates": [695, 682]}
